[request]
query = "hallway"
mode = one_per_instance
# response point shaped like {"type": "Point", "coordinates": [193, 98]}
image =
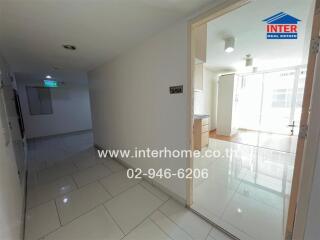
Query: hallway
{"type": "Point", "coordinates": [196, 102]}
{"type": "Point", "coordinates": [72, 194]}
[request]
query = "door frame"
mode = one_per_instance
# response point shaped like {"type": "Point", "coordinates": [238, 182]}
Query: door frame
{"type": "Point", "coordinates": [204, 17]}
{"type": "Point", "coordinates": [303, 170]}
{"type": "Point", "coordinates": [306, 148]}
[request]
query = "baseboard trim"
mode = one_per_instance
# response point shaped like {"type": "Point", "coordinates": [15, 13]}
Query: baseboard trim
{"type": "Point", "coordinates": [59, 134]}
{"type": "Point", "coordinates": [149, 180]}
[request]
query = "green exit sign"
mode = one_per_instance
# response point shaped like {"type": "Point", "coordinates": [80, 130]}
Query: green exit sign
{"type": "Point", "coordinates": [50, 83]}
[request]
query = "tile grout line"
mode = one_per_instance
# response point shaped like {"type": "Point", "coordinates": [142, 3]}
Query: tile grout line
{"type": "Point", "coordinates": [67, 223]}
{"type": "Point", "coordinates": [75, 182]}
{"type": "Point", "coordinates": [57, 196]}
{"type": "Point", "coordinates": [144, 219]}
{"type": "Point", "coordinates": [140, 183]}
{"type": "Point", "coordinates": [45, 235]}
{"type": "Point", "coordinates": [104, 188]}
{"type": "Point", "coordinates": [160, 228]}
{"type": "Point", "coordinates": [113, 196]}
{"type": "Point", "coordinates": [233, 194]}
{"type": "Point", "coordinates": [63, 225]}
{"type": "Point", "coordinates": [178, 224]}
{"type": "Point", "coordinates": [225, 208]}
{"type": "Point", "coordinates": [115, 222]}
{"type": "Point", "coordinates": [73, 179]}
{"type": "Point", "coordinates": [57, 212]}
{"type": "Point", "coordinates": [98, 179]}
{"type": "Point", "coordinates": [70, 221]}
{"type": "Point", "coordinates": [87, 211]}
{"type": "Point", "coordinates": [209, 233]}
{"type": "Point", "coordinates": [120, 192]}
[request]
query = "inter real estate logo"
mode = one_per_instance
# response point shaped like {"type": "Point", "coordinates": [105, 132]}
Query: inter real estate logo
{"type": "Point", "coordinates": [282, 26]}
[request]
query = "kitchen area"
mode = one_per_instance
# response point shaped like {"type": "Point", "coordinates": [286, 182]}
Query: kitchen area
{"type": "Point", "coordinates": [205, 92]}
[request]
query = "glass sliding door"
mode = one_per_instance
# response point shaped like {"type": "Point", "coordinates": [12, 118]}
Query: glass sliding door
{"type": "Point", "coordinates": [270, 101]}
{"type": "Point", "coordinates": [248, 101]}
{"type": "Point", "coordinates": [277, 101]}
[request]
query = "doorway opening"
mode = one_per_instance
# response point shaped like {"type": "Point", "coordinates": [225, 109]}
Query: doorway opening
{"type": "Point", "coordinates": [250, 94]}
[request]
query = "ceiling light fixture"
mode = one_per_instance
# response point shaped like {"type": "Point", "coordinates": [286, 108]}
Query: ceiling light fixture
{"type": "Point", "coordinates": [48, 76]}
{"type": "Point", "coordinates": [229, 45]}
{"type": "Point", "coordinates": [69, 47]}
{"type": "Point", "coordinates": [249, 60]}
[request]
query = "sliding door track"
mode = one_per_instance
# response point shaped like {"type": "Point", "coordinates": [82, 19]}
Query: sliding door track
{"type": "Point", "coordinates": [214, 224]}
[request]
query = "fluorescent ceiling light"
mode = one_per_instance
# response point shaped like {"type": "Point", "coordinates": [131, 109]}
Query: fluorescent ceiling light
{"type": "Point", "coordinates": [229, 45]}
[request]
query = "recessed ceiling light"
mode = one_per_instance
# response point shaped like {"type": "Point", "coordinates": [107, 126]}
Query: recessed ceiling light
{"type": "Point", "coordinates": [69, 47]}
{"type": "Point", "coordinates": [229, 45]}
{"type": "Point", "coordinates": [48, 76]}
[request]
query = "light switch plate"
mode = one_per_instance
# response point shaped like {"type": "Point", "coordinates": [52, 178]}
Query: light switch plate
{"type": "Point", "coordinates": [176, 89]}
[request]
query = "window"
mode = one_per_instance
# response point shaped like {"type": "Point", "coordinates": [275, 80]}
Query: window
{"type": "Point", "coordinates": [281, 98]}
{"type": "Point", "coordinates": [270, 101]}
{"type": "Point", "coordinates": [39, 100]}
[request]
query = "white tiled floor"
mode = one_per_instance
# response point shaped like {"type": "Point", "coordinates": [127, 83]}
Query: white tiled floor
{"type": "Point", "coordinates": [247, 191]}
{"type": "Point", "coordinates": [195, 227]}
{"type": "Point", "coordinates": [44, 193]}
{"type": "Point", "coordinates": [91, 174]}
{"type": "Point", "coordinates": [73, 195]}
{"type": "Point", "coordinates": [96, 224]}
{"type": "Point", "coordinates": [76, 203]}
{"type": "Point", "coordinates": [41, 220]}
{"type": "Point", "coordinates": [132, 206]}
{"type": "Point", "coordinates": [118, 183]}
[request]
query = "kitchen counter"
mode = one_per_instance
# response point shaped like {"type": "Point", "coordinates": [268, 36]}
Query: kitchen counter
{"type": "Point", "coordinates": [200, 116]}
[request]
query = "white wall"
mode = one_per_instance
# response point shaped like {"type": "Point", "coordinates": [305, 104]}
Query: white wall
{"type": "Point", "coordinates": [131, 104]}
{"type": "Point", "coordinates": [204, 101]}
{"type": "Point", "coordinates": [11, 190]}
{"type": "Point", "coordinates": [70, 104]}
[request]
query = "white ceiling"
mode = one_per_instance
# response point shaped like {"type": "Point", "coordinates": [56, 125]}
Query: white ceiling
{"type": "Point", "coordinates": [32, 31]}
{"type": "Point", "coordinates": [245, 24]}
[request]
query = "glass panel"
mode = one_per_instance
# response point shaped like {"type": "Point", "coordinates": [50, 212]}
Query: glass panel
{"type": "Point", "coordinates": [277, 101]}
{"type": "Point", "coordinates": [248, 100]}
